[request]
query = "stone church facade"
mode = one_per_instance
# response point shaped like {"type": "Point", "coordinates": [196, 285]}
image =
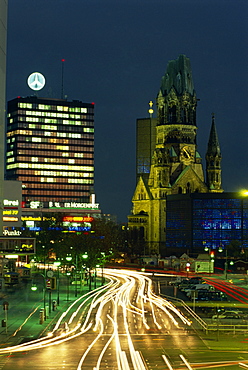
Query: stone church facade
{"type": "Point", "coordinates": [176, 165]}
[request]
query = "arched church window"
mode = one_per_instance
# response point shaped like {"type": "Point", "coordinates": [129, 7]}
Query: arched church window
{"type": "Point", "coordinates": [188, 188]}
{"type": "Point", "coordinates": [172, 114]}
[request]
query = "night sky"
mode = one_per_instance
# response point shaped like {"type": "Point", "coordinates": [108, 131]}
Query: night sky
{"type": "Point", "coordinates": [116, 52]}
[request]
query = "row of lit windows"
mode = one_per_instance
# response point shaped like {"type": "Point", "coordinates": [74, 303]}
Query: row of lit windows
{"type": "Point", "coordinates": [64, 167]}
{"type": "Point", "coordinates": [23, 115]}
{"type": "Point", "coordinates": [53, 173]}
{"type": "Point", "coordinates": [40, 153]}
{"type": "Point", "coordinates": [86, 145]}
{"type": "Point", "coordinates": [53, 140]}
{"type": "Point", "coordinates": [52, 107]}
{"type": "Point", "coordinates": [26, 114]}
{"type": "Point", "coordinates": [43, 193]}
{"type": "Point", "coordinates": [55, 197]}
{"type": "Point", "coordinates": [53, 185]}
{"type": "Point", "coordinates": [51, 148]}
{"type": "Point", "coordinates": [73, 135]}
{"type": "Point", "coordinates": [51, 160]}
{"type": "Point", "coordinates": [37, 180]}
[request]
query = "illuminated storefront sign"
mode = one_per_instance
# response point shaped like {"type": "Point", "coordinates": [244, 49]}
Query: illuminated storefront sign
{"type": "Point", "coordinates": [12, 232]}
{"type": "Point", "coordinates": [74, 205]}
{"type": "Point", "coordinates": [10, 212]}
{"type": "Point", "coordinates": [36, 204]}
{"type": "Point", "coordinates": [10, 219]}
{"type": "Point", "coordinates": [31, 218]}
{"type": "Point", "coordinates": [10, 203]}
{"type": "Point", "coordinates": [77, 219]}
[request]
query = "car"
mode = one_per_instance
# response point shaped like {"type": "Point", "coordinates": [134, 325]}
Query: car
{"type": "Point", "coordinates": [229, 319]}
{"type": "Point", "coordinates": [193, 288]}
{"type": "Point", "coordinates": [229, 312]}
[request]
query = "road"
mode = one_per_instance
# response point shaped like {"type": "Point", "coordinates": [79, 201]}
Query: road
{"type": "Point", "coordinates": [121, 326]}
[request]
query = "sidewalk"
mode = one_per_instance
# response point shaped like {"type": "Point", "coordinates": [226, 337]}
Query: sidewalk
{"type": "Point", "coordinates": [22, 318]}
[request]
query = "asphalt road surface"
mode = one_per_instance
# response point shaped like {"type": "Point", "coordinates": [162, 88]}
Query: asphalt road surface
{"type": "Point", "coordinates": [121, 326]}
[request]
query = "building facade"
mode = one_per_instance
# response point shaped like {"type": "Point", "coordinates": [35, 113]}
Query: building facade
{"type": "Point", "coordinates": [176, 166]}
{"type": "Point", "coordinates": [145, 145]}
{"type": "Point", "coordinates": [212, 221]}
{"type": "Point", "coordinates": [3, 47]}
{"type": "Point", "coordinates": [50, 149]}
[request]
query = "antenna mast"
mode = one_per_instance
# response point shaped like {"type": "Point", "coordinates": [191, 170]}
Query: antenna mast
{"type": "Point", "coordinates": [62, 79]}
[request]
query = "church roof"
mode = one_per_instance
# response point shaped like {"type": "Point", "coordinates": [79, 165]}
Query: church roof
{"type": "Point", "coordinates": [178, 75]}
{"type": "Point", "coordinates": [213, 142]}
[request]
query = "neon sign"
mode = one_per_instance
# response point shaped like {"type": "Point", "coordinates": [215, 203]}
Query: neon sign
{"type": "Point", "coordinates": [77, 219]}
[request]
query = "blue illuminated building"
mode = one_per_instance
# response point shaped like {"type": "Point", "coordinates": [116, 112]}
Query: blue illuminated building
{"type": "Point", "coordinates": [196, 221]}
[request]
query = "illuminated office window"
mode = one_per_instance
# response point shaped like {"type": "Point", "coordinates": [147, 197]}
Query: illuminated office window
{"type": "Point", "coordinates": [48, 127]}
{"type": "Point", "coordinates": [88, 129]}
{"type": "Point", "coordinates": [25, 105]}
{"type": "Point", "coordinates": [62, 147]}
{"type": "Point", "coordinates": [36, 139]}
{"type": "Point", "coordinates": [79, 155]}
{"type": "Point", "coordinates": [75, 136]}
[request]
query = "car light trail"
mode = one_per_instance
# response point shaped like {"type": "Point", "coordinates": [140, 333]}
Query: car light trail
{"type": "Point", "coordinates": [130, 306]}
{"type": "Point", "coordinates": [167, 362]}
{"type": "Point", "coordinates": [186, 362]}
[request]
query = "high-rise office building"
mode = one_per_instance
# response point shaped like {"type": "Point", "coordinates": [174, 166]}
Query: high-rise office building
{"type": "Point", "coordinates": [50, 148]}
{"type": "Point", "coordinates": [3, 37]}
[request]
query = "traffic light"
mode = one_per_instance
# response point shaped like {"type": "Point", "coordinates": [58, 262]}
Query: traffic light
{"type": "Point", "coordinates": [212, 254]}
{"type": "Point", "coordinates": [48, 283]}
{"type": "Point", "coordinates": [51, 283]}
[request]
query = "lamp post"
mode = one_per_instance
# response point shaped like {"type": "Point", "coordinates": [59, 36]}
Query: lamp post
{"type": "Point", "coordinates": [57, 263]}
{"type": "Point", "coordinates": [85, 257]}
{"type": "Point", "coordinates": [211, 259]}
{"type": "Point", "coordinates": [226, 264]}
{"type": "Point", "coordinates": [34, 288]}
{"type": "Point", "coordinates": [68, 259]}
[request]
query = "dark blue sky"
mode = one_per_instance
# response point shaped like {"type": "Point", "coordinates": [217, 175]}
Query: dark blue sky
{"type": "Point", "coordinates": [116, 52]}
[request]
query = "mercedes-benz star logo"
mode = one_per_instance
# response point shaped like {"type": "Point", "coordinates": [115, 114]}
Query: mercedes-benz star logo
{"type": "Point", "coordinates": [36, 81]}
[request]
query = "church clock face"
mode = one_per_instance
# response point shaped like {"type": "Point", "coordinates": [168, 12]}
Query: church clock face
{"type": "Point", "coordinates": [186, 154]}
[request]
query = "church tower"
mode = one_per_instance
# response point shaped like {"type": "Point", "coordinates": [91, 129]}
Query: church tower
{"type": "Point", "coordinates": [213, 161]}
{"type": "Point", "coordinates": [176, 166]}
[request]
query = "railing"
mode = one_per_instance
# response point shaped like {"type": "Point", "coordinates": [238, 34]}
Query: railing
{"type": "Point", "coordinates": [198, 322]}
{"type": "Point", "coordinates": [179, 302]}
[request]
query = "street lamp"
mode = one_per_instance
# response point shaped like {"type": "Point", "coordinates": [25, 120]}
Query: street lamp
{"type": "Point", "coordinates": [68, 259]}
{"type": "Point", "coordinates": [225, 268]}
{"type": "Point", "coordinates": [57, 264]}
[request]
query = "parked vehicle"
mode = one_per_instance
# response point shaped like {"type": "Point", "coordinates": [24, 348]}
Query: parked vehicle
{"type": "Point", "coordinates": [229, 319]}
{"type": "Point", "coordinates": [193, 288]}
{"type": "Point", "coordinates": [229, 312]}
